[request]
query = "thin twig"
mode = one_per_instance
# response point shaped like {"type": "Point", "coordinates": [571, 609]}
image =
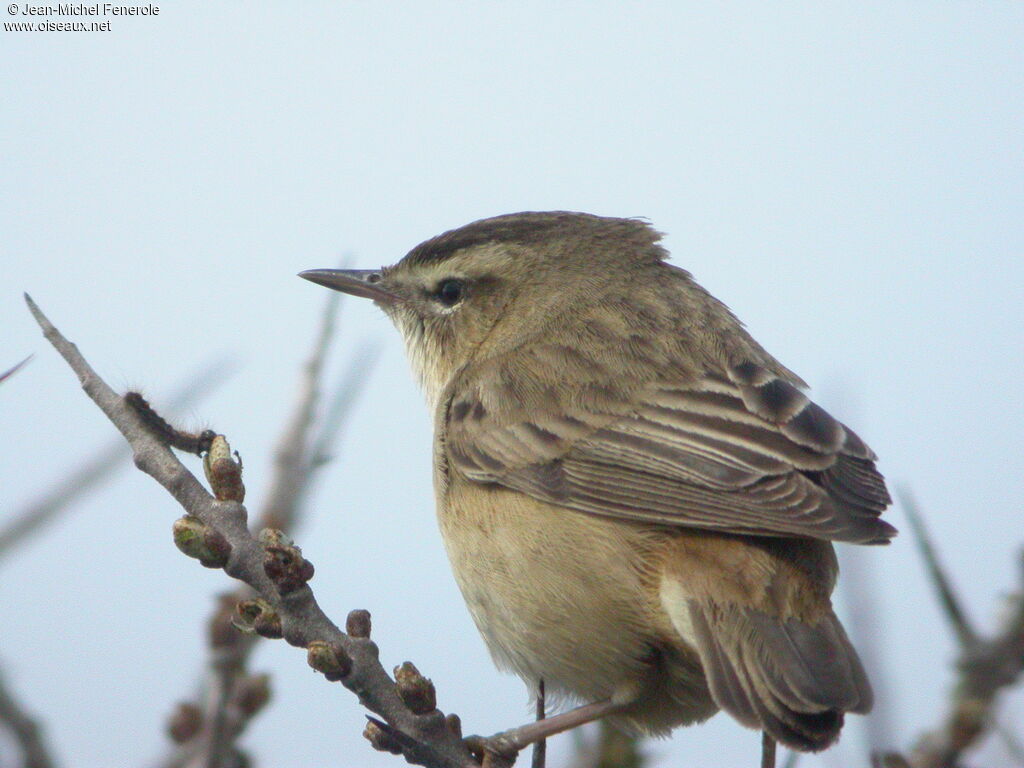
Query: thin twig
{"type": "Point", "coordinates": [1011, 741]}
{"type": "Point", "coordinates": [618, 749]}
{"type": "Point", "coordinates": [355, 378]}
{"type": "Point", "coordinates": [294, 464]}
{"type": "Point", "coordinates": [14, 369]}
{"type": "Point", "coordinates": [25, 730]}
{"type": "Point", "coordinates": [220, 738]}
{"type": "Point", "coordinates": [540, 749]}
{"type": "Point", "coordinates": [292, 455]}
{"type": "Point", "coordinates": [767, 750]}
{"type": "Point", "coordinates": [103, 463]}
{"type": "Point", "coordinates": [302, 621]}
{"type": "Point", "coordinates": [985, 667]}
{"type": "Point", "coordinates": [606, 746]}
{"type": "Point", "coordinates": [947, 596]}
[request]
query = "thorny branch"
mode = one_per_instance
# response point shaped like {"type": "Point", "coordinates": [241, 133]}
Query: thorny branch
{"type": "Point", "coordinates": [943, 586]}
{"type": "Point", "coordinates": [14, 369]}
{"type": "Point", "coordinates": [25, 730]}
{"type": "Point", "coordinates": [604, 746]}
{"type": "Point", "coordinates": [292, 460]}
{"type": "Point", "coordinates": [30, 520]}
{"type": "Point", "coordinates": [986, 665]}
{"type": "Point", "coordinates": [206, 733]}
{"type": "Point", "coordinates": [215, 529]}
{"type": "Point", "coordinates": [44, 510]}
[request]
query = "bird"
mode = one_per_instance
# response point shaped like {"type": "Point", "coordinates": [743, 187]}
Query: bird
{"type": "Point", "coordinates": [639, 503]}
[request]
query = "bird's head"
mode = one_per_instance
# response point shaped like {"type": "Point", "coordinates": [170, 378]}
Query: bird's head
{"type": "Point", "coordinates": [490, 286]}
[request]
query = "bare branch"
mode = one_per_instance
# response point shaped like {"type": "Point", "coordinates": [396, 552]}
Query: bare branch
{"type": "Point", "coordinates": [206, 732]}
{"type": "Point", "coordinates": [540, 749]}
{"type": "Point", "coordinates": [292, 455]}
{"type": "Point", "coordinates": [985, 667]}
{"type": "Point", "coordinates": [273, 568]}
{"type": "Point", "coordinates": [346, 394]}
{"type": "Point", "coordinates": [767, 750]}
{"type": "Point", "coordinates": [947, 596]}
{"type": "Point", "coordinates": [98, 468]}
{"type": "Point", "coordinates": [25, 729]}
{"type": "Point", "coordinates": [888, 760]}
{"type": "Point", "coordinates": [608, 747]}
{"type": "Point", "coordinates": [211, 742]}
{"type": "Point", "coordinates": [1012, 743]}
{"type": "Point", "coordinates": [14, 369]}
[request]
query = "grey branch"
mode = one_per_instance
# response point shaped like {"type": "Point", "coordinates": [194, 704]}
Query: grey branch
{"type": "Point", "coordinates": [605, 746]}
{"type": "Point", "coordinates": [14, 369]}
{"type": "Point", "coordinates": [206, 730]}
{"type": "Point", "coordinates": [299, 452]}
{"type": "Point", "coordinates": [340, 405]}
{"type": "Point", "coordinates": [426, 739]}
{"type": "Point", "coordinates": [209, 741]}
{"type": "Point", "coordinates": [25, 729]}
{"type": "Point", "coordinates": [943, 586]}
{"type": "Point", "coordinates": [292, 461]}
{"type": "Point", "coordinates": [61, 495]}
{"type": "Point", "coordinates": [985, 666]}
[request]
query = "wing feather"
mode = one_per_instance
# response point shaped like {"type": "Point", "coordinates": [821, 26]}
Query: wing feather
{"type": "Point", "coordinates": [743, 453]}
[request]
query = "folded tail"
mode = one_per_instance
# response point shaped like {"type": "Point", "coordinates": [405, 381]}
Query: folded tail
{"type": "Point", "coordinates": [790, 678]}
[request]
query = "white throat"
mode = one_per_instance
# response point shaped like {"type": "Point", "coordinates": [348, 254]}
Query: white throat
{"type": "Point", "coordinates": [424, 357]}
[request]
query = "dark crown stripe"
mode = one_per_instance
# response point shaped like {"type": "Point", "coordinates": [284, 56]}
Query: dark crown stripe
{"type": "Point", "coordinates": [524, 228]}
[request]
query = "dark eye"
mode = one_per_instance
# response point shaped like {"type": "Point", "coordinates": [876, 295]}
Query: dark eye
{"type": "Point", "coordinates": [449, 292]}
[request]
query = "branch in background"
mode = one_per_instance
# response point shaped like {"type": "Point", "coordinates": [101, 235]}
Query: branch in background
{"type": "Point", "coordinates": [214, 530]}
{"type": "Point", "coordinates": [984, 669]}
{"type": "Point", "coordinates": [889, 760]}
{"type": "Point", "coordinates": [943, 586]}
{"type": "Point", "coordinates": [605, 746]}
{"type": "Point", "coordinates": [206, 732]}
{"type": "Point", "coordinates": [985, 666]}
{"type": "Point", "coordinates": [292, 466]}
{"type": "Point", "coordinates": [97, 469]}
{"type": "Point", "coordinates": [300, 454]}
{"type": "Point", "coordinates": [540, 749]}
{"type": "Point", "coordinates": [338, 409]}
{"type": "Point", "coordinates": [14, 369]}
{"type": "Point", "coordinates": [1012, 743]}
{"type": "Point", "coordinates": [25, 730]}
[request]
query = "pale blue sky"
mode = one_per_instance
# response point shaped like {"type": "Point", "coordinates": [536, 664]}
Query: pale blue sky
{"type": "Point", "coordinates": [847, 177]}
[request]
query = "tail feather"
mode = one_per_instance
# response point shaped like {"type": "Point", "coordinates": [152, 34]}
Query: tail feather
{"type": "Point", "coordinates": [723, 679]}
{"type": "Point", "coordinates": [820, 666]}
{"type": "Point", "coordinates": [789, 720]}
{"type": "Point", "coordinates": [791, 678]}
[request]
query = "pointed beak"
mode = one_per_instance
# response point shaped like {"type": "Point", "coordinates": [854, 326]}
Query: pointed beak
{"type": "Point", "coordinates": [358, 282]}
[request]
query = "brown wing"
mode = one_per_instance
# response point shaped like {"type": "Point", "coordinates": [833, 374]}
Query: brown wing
{"type": "Point", "coordinates": [748, 454]}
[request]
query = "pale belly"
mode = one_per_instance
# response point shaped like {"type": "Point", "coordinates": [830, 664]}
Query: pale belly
{"type": "Point", "coordinates": [559, 595]}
